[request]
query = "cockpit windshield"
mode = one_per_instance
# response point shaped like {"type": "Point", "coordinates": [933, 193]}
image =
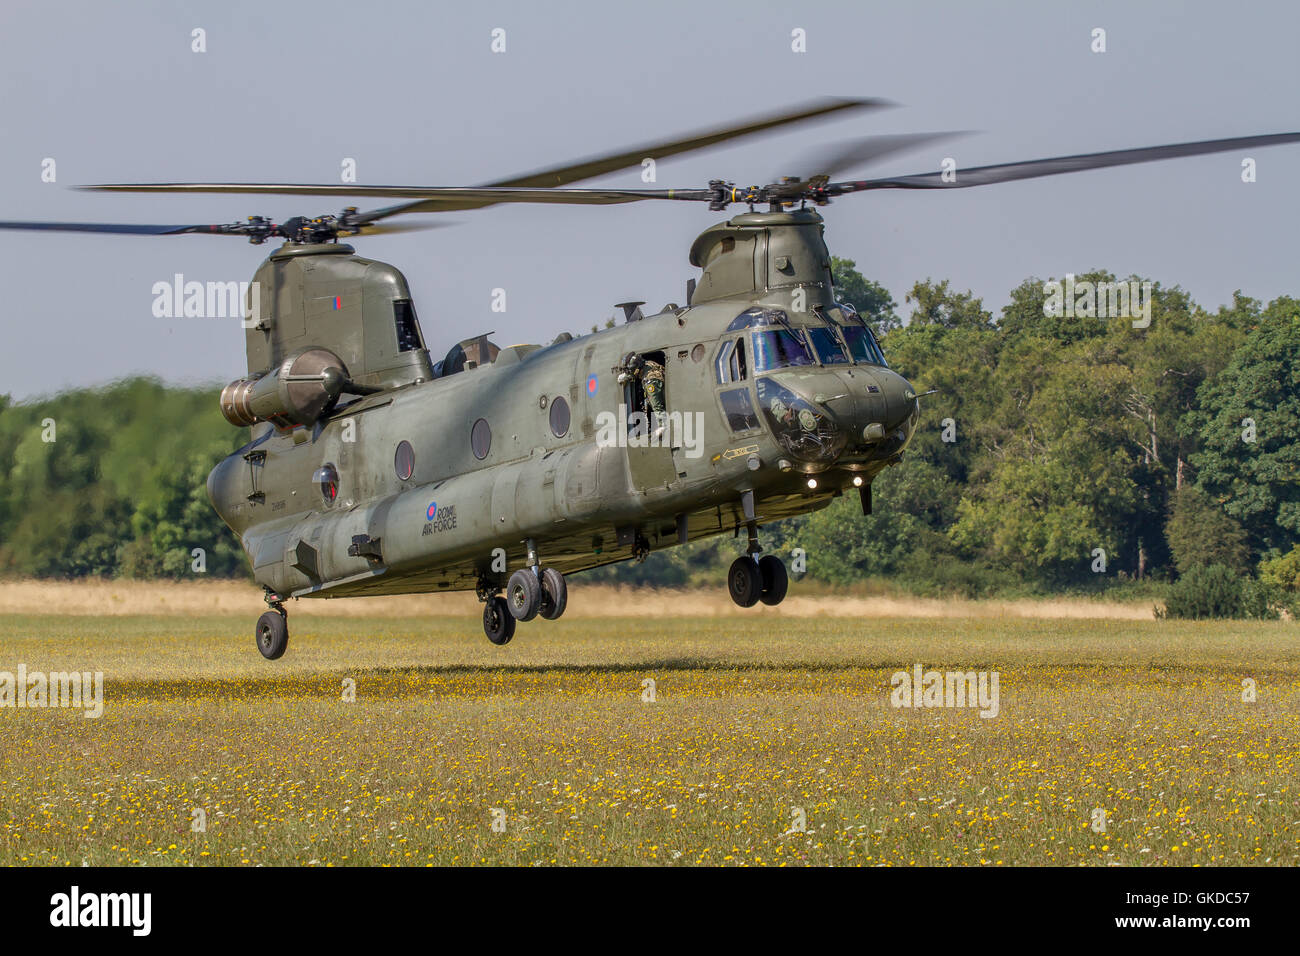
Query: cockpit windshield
{"type": "Point", "coordinates": [779, 348]}
{"type": "Point", "coordinates": [827, 345]}
{"type": "Point", "coordinates": [862, 344]}
{"type": "Point", "coordinates": [757, 318]}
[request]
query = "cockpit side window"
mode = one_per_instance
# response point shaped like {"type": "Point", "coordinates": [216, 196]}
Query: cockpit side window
{"type": "Point", "coordinates": [723, 364]}
{"type": "Point", "coordinates": [738, 370]}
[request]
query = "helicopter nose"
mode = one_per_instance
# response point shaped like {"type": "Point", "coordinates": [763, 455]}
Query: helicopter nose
{"type": "Point", "coordinates": [900, 398]}
{"type": "Point", "coordinates": [872, 412]}
{"type": "Point", "coordinates": [884, 410]}
{"type": "Point", "coordinates": [875, 397]}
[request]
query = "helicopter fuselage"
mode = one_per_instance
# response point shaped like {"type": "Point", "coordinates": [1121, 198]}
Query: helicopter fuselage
{"type": "Point", "coordinates": [778, 400]}
{"type": "Point", "coordinates": [601, 491]}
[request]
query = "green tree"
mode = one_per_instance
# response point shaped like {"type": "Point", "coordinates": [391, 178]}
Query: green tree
{"type": "Point", "coordinates": [1247, 421]}
{"type": "Point", "coordinates": [1066, 481]}
{"type": "Point", "coordinates": [1280, 577]}
{"type": "Point", "coordinates": [912, 504]}
{"type": "Point", "coordinates": [1210, 591]}
{"type": "Point", "coordinates": [936, 304]}
{"type": "Point", "coordinates": [1200, 534]}
{"type": "Point", "coordinates": [120, 489]}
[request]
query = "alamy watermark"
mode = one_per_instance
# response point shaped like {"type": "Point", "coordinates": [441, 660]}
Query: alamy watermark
{"type": "Point", "coordinates": [179, 299]}
{"type": "Point", "coordinates": [921, 688]}
{"type": "Point", "coordinates": [1128, 299]}
{"type": "Point", "coordinates": [36, 689]}
{"type": "Point", "coordinates": [132, 911]}
{"type": "Point", "coordinates": [684, 430]}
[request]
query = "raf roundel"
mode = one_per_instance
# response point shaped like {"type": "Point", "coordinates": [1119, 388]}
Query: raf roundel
{"type": "Point", "coordinates": [593, 383]}
{"type": "Point", "coordinates": [433, 510]}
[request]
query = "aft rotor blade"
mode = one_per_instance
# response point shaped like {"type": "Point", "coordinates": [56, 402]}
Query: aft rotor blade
{"type": "Point", "coordinates": [448, 198]}
{"type": "Point", "coordinates": [1034, 168]}
{"type": "Point", "coordinates": [483, 194]}
{"type": "Point", "coordinates": [122, 228]}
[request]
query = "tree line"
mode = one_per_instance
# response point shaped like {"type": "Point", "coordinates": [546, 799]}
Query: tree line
{"type": "Point", "coordinates": [112, 482]}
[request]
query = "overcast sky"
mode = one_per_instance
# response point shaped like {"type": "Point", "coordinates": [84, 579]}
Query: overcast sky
{"type": "Point", "coordinates": [413, 92]}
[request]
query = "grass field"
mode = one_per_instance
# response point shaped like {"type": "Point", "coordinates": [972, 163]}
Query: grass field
{"type": "Point", "coordinates": [760, 721]}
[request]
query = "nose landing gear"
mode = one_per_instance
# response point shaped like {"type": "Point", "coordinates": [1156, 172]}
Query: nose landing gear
{"type": "Point", "coordinates": [775, 580]}
{"type": "Point", "coordinates": [744, 582]}
{"type": "Point", "coordinates": [752, 579]}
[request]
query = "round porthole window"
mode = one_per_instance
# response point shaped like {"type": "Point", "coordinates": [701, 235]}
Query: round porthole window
{"type": "Point", "coordinates": [327, 480]}
{"type": "Point", "coordinates": [559, 417]}
{"type": "Point", "coordinates": [480, 439]}
{"type": "Point", "coordinates": [404, 460]}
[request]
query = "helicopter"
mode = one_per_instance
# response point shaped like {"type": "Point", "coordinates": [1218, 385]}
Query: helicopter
{"type": "Point", "coordinates": [373, 470]}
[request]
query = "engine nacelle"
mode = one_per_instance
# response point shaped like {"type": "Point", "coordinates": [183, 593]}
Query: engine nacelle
{"type": "Point", "coordinates": [300, 391]}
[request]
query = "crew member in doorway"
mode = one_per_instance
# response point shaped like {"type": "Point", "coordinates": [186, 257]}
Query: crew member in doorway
{"type": "Point", "coordinates": [651, 375]}
{"type": "Point", "coordinates": [652, 378]}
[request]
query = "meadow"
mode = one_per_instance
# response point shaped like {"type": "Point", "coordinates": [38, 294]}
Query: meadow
{"type": "Point", "coordinates": [770, 738]}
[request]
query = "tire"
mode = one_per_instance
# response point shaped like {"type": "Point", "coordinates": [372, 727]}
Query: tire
{"type": "Point", "coordinates": [744, 582]}
{"type": "Point", "coordinates": [498, 623]}
{"type": "Point", "coordinates": [524, 594]}
{"type": "Point", "coordinates": [272, 635]}
{"type": "Point", "coordinates": [555, 594]}
{"type": "Point", "coordinates": [775, 580]}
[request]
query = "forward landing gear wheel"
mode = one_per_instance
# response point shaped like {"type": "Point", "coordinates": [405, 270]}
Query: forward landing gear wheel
{"type": "Point", "coordinates": [744, 582]}
{"type": "Point", "coordinates": [775, 581]}
{"type": "Point", "coordinates": [555, 594]}
{"type": "Point", "coordinates": [498, 623]}
{"type": "Point", "coordinates": [272, 634]}
{"type": "Point", "coordinates": [524, 594]}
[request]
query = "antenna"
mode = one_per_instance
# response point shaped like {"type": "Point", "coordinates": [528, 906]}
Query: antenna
{"type": "Point", "coordinates": [631, 310]}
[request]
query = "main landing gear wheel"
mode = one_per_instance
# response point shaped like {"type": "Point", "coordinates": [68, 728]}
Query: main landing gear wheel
{"type": "Point", "coordinates": [272, 634]}
{"type": "Point", "coordinates": [775, 581]}
{"type": "Point", "coordinates": [744, 582]}
{"type": "Point", "coordinates": [524, 594]}
{"type": "Point", "coordinates": [555, 594]}
{"type": "Point", "coordinates": [498, 623]}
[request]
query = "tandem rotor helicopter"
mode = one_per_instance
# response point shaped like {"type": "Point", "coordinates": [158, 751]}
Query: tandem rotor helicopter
{"type": "Point", "coordinates": [576, 454]}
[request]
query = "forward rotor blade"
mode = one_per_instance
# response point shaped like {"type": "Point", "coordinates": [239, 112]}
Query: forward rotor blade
{"type": "Point", "coordinates": [1034, 168]}
{"type": "Point", "coordinates": [450, 199]}
{"type": "Point", "coordinates": [373, 228]}
{"type": "Point", "coordinates": [835, 158]}
{"type": "Point", "coordinates": [625, 159]}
